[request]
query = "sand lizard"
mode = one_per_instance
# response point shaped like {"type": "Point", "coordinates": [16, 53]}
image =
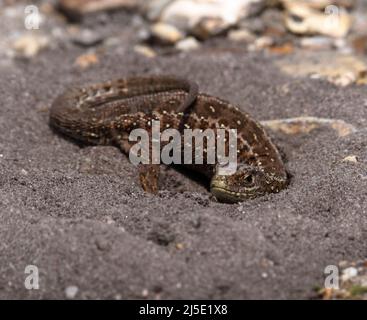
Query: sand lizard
{"type": "Point", "coordinates": [106, 113]}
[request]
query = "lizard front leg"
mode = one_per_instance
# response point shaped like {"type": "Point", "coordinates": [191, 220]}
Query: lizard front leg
{"type": "Point", "coordinates": [149, 177]}
{"type": "Point", "coordinates": [148, 173]}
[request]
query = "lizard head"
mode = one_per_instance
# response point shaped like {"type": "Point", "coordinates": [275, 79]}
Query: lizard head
{"type": "Point", "coordinates": [247, 182]}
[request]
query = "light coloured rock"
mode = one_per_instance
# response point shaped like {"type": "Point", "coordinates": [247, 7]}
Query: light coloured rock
{"type": "Point", "coordinates": [86, 38]}
{"type": "Point", "coordinates": [186, 14]}
{"type": "Point", "coordinates": [85, 61]}
{"type": "Point", "coordinates": [71, 292]}
{"type": "Point", "coordinates": [166, 33]}
{"type": "Point", "coordinates": [321, 4]}
{"type": "Point", "coordinates": [153, 9]}
{"type": "Point", "coordinates": [349, 273]}
{"type": "Point", "coordinates": [302, 18]}
{"type": "Point", "coordinates": [78, 8]}
{"type": "Point", "coordinates": [209, 27]}
{"type": "Point", "coordinates": [351, 158]}
{"type": "Point", "coordinates": [261, 43]}
{"type": "Point", "coordinates": [344, 79]}
{"type": "Point", "coordinates": [188, 44]}
{"type": "Point", "coordinates": [145, 51]}
{"type": "Point", "coordinates": [304, 125]}
{"type": "Point", "coordinates": [316, 4]}
{"type": "Point", "coordinates": [241, 35]}
{"type": "Point", "coordinates": [29, 45]}
{"type": "Point", "coordinates": [340, 43]}
{"type": "Point", "coordinates": [339, 69]}
{"type": "Point", "coordinates": [145, 293]}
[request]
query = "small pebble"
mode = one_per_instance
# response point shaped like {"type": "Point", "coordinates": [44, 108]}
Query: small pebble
{"type": "Point", "coordinates": [349, 273]}
{"type": "Point", "coordinates": [241, 35]}
{"type": "Point", "coordinates": [209, 27]}
{"type": "Point", "coordinates": [166, 33]}
{"type": "Point", "coordinates": [145, 293]}
{"type": "Point", "coordinates": [261, 43]}
{"type": "Point", "coordinates": [118, 296]}
{"type": "Point", "coordinates": [154, 8]}
{"type": "Point", "coordinates": [179, 246]}
{"type": "Point", "coordinates": [188, 44]}
{"type": "Point", "coordinates": [344, 80]}
{"type": "Point", "coordinates": [145, 51]}
{"type": "Point", "coordinates": [29, 45]}
{"type": "Point", "coordinates": [71, 292]}
{"type": "Point", "coordinates": [86, 60]}
{"type": "Point", "coordinates": [351, 158]}
{"type": "Point", "coordinates": [87, 38]}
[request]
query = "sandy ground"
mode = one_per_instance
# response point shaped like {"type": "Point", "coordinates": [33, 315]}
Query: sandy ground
{"type": "Point", "coordinates": [79, 215]}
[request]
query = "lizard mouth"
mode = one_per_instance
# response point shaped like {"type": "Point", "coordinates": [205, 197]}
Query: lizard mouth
{"type": "Point", "coordinates": [224, 195]}
{"type": "Point", "coordinates": [220, 190]}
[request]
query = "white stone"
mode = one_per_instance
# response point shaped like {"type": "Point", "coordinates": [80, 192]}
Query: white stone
{"type": "Point", "coordinates": [30, 45]}
{"type": "Point", "coordinates": [241, 35]}
{"type": "Point", "coordinates": [166, 33]}
{"type": "Point", "coordinates": [71, 292]}
{"type": "Point", "coordinates": [349, 273]}
{"type": "Point", "coordinates": [188, 44]}
{"type": "Point", "coordinates": [351, 158]}
{"type": "Point", "coordinates": [186, 14]}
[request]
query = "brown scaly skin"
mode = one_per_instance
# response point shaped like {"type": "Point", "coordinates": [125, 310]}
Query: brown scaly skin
{"type": "Point", "coordinates": [106, 113]}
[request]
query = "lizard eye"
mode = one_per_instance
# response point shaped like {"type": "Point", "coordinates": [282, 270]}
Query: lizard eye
{"type": "Point", "coordinates": [249, 180]}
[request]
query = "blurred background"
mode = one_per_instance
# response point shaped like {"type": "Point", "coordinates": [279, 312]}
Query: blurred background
{"type": "Point", "coordinates": [326, 38]}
